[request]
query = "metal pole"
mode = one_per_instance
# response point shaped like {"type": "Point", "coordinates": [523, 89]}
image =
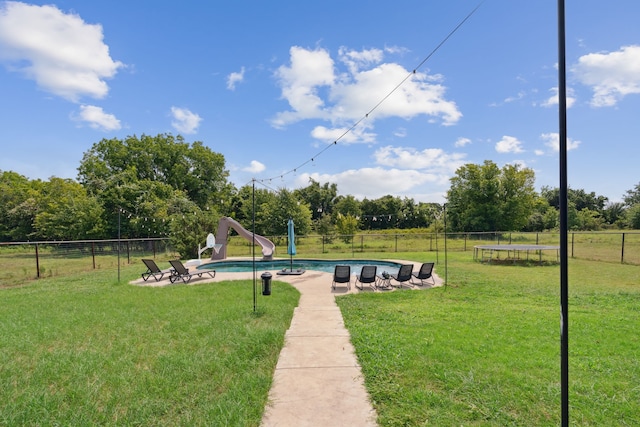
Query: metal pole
{"type": "Point", "coordinates": [119, 210]}
{"type": "Point", "coordinates": [253, 241]}
{"type": "Point", "coordinates": [446, 269]}
{"type": "Point", "coordinates": [37, 262]}
{"type": "Point", "coordinates": [564, 265]}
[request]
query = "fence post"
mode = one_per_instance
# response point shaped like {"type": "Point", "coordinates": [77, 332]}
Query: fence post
{"type": "Point", "coordinates": [361, 243]}
{"type": "Point", "coordinates": [465, 241]}
{"type": "Point", "coordinates": [396, 242]}
{"type": "Point", "coordinates": [37, 262]}
{"type": "Point", "coordinates": [622, 254]}
{"type": "Point", "coordinates": [573, 235]}
{"type": "Point", "coordinates": [128, 254]}
{"type": "Point", "coordinates": [323, 243]}
{"type": "Point", "coordinates": [93, 254]}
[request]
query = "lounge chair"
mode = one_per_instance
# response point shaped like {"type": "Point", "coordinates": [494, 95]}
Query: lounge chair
{"type": "Point", "coordinates": [180, 272]}
{"type": "Point", "coordinates": [342, 274]}
{"type": "Point", "coordinates": [425, 273]}
{"type": "Point", "coordinates": [404, 275]}
{"type": "Point", "coordinates": [152, 270]}
{"type": "Point", "coordinates": [367, 276]}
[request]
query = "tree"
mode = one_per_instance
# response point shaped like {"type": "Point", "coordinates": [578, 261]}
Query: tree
{"type": "Point", "coordinates": [18, 206]}
{"type": "Point", "coordinates": [614, 213]}
{"type": "Point", "coordinates": [580, 198]}
{"type": "Point", "coordinates": [347, 205]}
{"type": "Point", "coordinates": [190, 226]}
{"type": "Point", "coordinates": [67, 212]}
{"type": "Point", "coordinates": [487, 198]}
{"type": "Point", "coordinates": [279, 209]}
{"type": "Point", "coordinates": [633, 196]}
{"type": "Point", "coordinates": [124, 173]}
{"type": "Point", "coordinates": [633, 217]}
{"type": "Point", "coordinates": [346, 226]}
{"type": "Point", "coordinates": [320, 199]}
{"type": "Point", "coordinates": [382, 213]}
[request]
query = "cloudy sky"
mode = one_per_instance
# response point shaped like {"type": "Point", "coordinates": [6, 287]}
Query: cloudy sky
{"type": "Point", "coordinates": [371, 95]}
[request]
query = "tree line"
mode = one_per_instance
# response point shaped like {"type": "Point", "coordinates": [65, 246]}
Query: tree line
{"type": "Point", "coordinates": [163, 186]}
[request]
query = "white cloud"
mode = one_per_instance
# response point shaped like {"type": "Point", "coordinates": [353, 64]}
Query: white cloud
{"type": "Point", "coordinates": [552, 140]}
{"type": "Point", "coordinates": [554, 100]}
{"type": "Point", "coordinates": [376, 182]}
{"type": "Point", "coordinates": [461, 142]}
{"type": "Point", "coordinates": [97, 118]}
{"type": "Point", "coordinates": [509, 144]}
{"type": "Point", "coordinates": [60, 52]}
{"type": "Point", "coordinates": [346, 136]}
{"type": "Point", "coordinates": [254, 167]}
{"type": "Point", "coordinates": [315, 89]}
{"type": "Point", "coordinates": [300, 82]}
{"type": "Point", "coordinates": [234, 78]}
{"type": "Point", "coordinates": [400, 133]}
{"type": "Point", "coordinates": [355, 60]}
{"type": "Point", "coordinates": [611, 75]}
{"type": "Point", "coordinates": [434, 160]}
{"type": "Point", "coordinates": [518, 97]}
{"type": "Point", "coordinates": [184, 120]}
{"type": "Point", "coordinates": [404, 172]}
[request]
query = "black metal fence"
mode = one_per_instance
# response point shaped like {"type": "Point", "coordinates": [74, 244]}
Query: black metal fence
{"type": "Point", "coordinates": [29, 260]}
{"type": "Point", "coordinates": [623, 247]}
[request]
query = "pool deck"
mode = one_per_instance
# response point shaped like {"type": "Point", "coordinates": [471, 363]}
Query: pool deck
{"type": "Point", "coordinates": [317, 380]}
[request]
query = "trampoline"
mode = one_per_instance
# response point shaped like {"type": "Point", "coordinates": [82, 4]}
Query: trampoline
{"type": "Point", "coordinates": [485, 253]}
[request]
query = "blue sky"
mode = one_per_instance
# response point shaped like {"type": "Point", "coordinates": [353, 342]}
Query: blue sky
{"type": "Point", "coordinates": [271, 85]}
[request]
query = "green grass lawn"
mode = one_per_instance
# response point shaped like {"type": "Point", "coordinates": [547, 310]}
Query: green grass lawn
{"type": "Point", "coordinates": [485, 350]}
{"type": "Point", "coordinates": [85, 350]}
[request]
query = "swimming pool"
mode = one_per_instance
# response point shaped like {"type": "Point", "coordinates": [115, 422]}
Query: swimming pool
{"type": "Point", "coordinates": [326, 265]}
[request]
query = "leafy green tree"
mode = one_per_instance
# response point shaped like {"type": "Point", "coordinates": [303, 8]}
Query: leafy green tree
{"type": "Point", "coordinates": [580, 198]}
{"type": "Point", "coordinates": [189, 226]}
{"type": "Point", "coordinates": [633, 217]}
{"type": "Point", "coordinates": [67, 212]}
{"type": "Point", "coordinates": [347, 205]}
{"type": "Point", "coordinates": [632, 196]}
{"type": "Point", "coordinates": [275, 214]}
{"type": "Point", "coordinates": [382, 213]}
{"type": "Point", "coordinates": [319, 198]}
{"type": "Point", "coordinates": [346, 226]}
{"type": "Point", "coordinates": [589, 220]}
{"type": "Point", "coordinates": [487, 198]}
{"type": "Point", "coordinates": [324, 225]}
{"type": "Point", "coordinates": [124, 173]}
{"type": "Point", "coordinates": [18, 206]}
{"type": "Point", "coordinates": [614, 213]}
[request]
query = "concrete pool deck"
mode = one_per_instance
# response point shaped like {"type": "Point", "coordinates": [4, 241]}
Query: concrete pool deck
{"type": "Point", "coordinates": [317, 380]}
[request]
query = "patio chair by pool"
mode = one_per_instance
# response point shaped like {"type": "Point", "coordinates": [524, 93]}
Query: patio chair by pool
{"type": "Point", "coordinates": [425, 273]}
{"type": "Point", "coordinates": [342, 274]}
{"type": "Point", "coordinates": [367, 276]}
{"type": "Point", "coordinates": [180, 272]}
{"type": "Point", "coordinates": [404, 275]}
{"type": "Point", "coordinates": [152, 270]}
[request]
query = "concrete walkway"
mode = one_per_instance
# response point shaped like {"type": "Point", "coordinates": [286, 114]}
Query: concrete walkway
{"type": "Point", "coordinates": [317, 381]}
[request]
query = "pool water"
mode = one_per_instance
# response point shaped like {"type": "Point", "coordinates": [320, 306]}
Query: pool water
{"type": "Point", "coordinates": [328, 266]}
